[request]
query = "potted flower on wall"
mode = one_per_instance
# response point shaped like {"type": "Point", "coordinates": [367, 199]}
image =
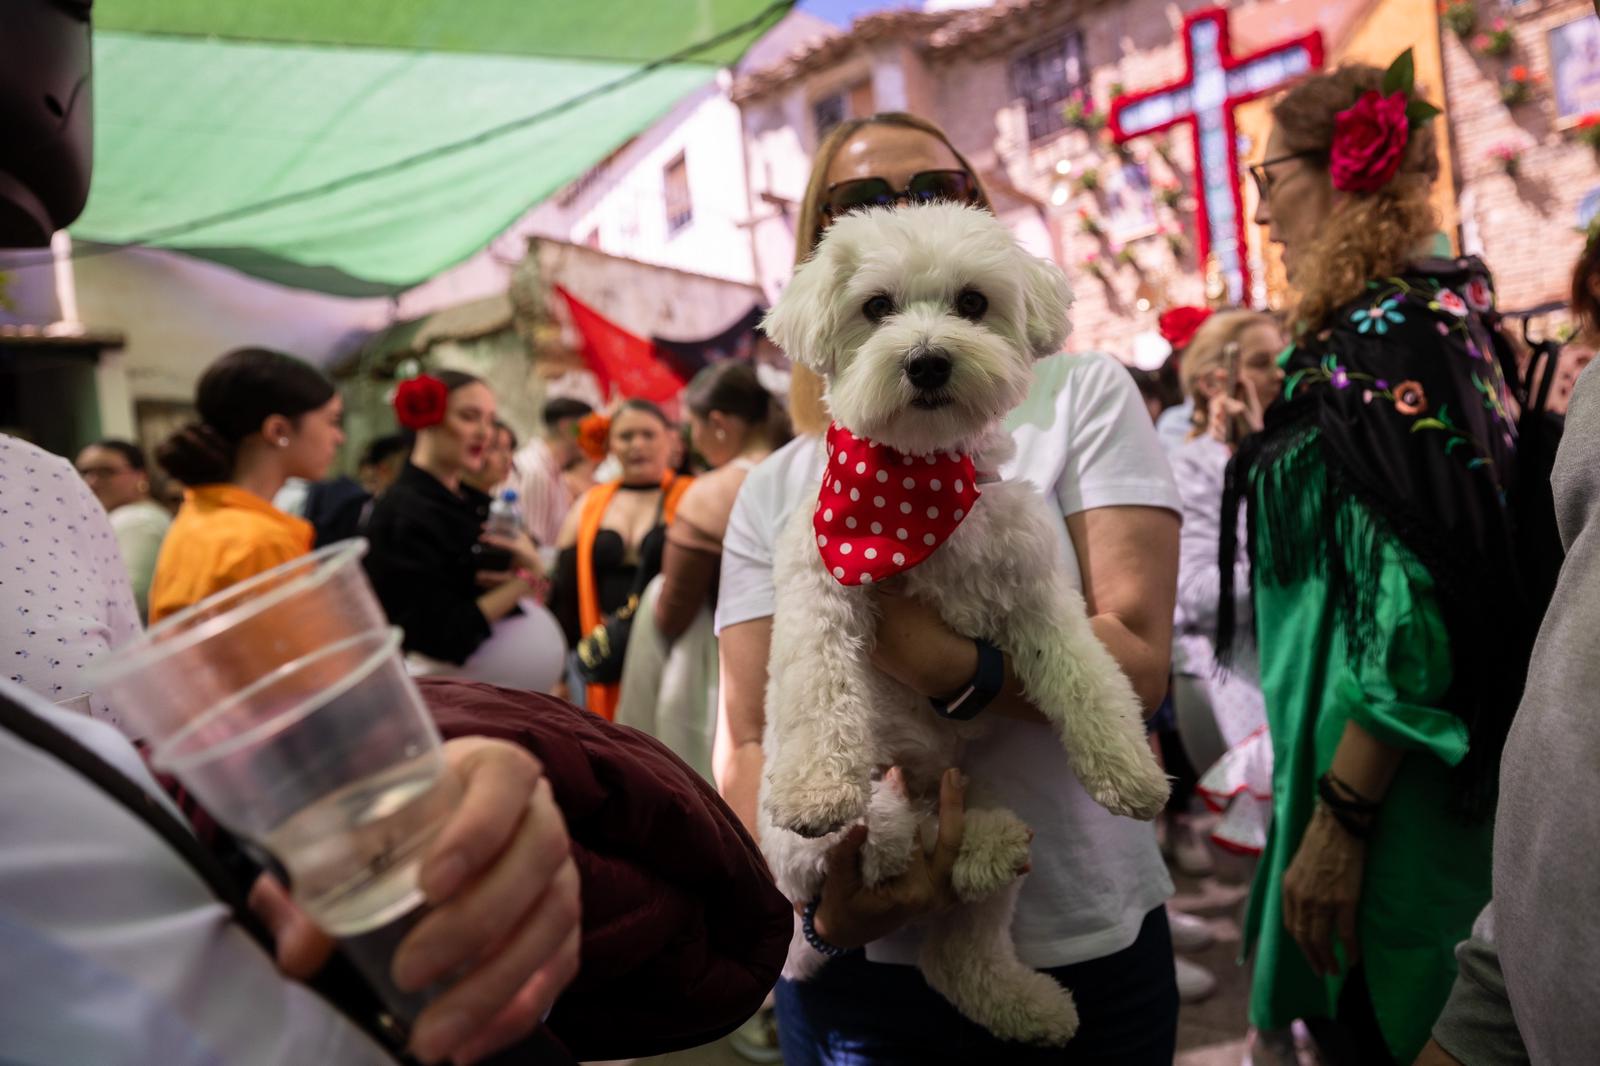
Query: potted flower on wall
{"type": "Point", "coordinates": [1169, 194]}
{"type": "Point", "coordinates": [1587, 130]}
{"type": "Point", "coordinates": [1509, 156]}
{"type": "Point", "coordinates": [1088, 181]}
{"type": "Point", "coordinates": [1090, 224]}
{"type": "Point", "coordinates": [1079, 113]}
{"type": "Point", "coordinates": [1126, 257]}
{"type": "Point", "coordinates": [1517, 89]}
{"type": "Point", "coordinates": [1176, 244]}
{"type": "Point", "coordinates": [1460, 15]}
{"type": "Point", "coordinates": [1496, 42]}
{"type": "Point", "coordinates": [1094, 267]}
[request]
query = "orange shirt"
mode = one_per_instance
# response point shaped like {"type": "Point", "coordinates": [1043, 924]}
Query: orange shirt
{"type": "Point", "coordinates": [222, 535]}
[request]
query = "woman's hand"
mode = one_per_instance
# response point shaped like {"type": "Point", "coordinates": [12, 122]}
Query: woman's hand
{"type": "Point", "coordinates": [1322, 892]}
{"type": "Point", "coordinates": [917, 649]}
{"type": "Point", "coordinates": [505, 897]}
{"type": "Point", "coordinates": [1223, 411]}
{"type": "Point", "coordinates": [524, 553]}
{"type": "Point", "coordinates": [851, 914]}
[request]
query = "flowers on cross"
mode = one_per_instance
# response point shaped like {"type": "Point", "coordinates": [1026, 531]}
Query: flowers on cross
{"type": "Point", "coordinates": [1508, 155]}
{"type": "Point", "coordinates": [1377, 318]}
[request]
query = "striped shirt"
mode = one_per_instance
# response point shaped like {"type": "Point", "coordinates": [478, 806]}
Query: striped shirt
{"type": "Point", "coordinates": [541, 492]}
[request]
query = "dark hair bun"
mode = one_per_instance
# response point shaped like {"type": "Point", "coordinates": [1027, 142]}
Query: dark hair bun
{"type": "Point", "coordinates": [197, 455]}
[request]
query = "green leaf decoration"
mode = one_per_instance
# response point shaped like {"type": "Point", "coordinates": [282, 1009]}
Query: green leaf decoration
{"type": "Point", "coordinates": [1401, 75]}
{"type": "Point", "coordinates": [1419, 111]}
{"type": "Point", "coordinates": [1451, 446]}
{"type": "Point", "coordinates": [1427, 423]}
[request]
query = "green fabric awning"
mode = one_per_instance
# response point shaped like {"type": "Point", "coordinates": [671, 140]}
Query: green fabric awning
{"type": "Point", "coordinates": [362, 146]}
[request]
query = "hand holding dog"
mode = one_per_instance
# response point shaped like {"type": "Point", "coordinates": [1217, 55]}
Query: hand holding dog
{"type": "Point", "coordinates": [852, 913]}
{"type": "Point", "coordinates": [916, 648]}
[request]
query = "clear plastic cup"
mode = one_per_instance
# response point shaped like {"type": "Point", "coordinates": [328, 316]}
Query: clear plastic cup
{"type": "Point", "coordinates": [332, 765]}
{"type": "Point", "coordinates": [227, 642]}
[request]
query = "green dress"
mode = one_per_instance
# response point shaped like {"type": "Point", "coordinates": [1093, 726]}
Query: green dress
{"type": "Point", "coordinates": [1428, 869]}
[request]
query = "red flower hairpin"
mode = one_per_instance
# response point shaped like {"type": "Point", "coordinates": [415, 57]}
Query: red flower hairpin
{"type": "Point", "coordinates": [420, 402]}
{"type": "Point", "coordinates": [1178, 325]}
{"type": "Point", "coordinates": [1370, 136]}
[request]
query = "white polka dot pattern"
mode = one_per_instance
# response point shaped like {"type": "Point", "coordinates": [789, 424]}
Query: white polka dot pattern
{"type": "Point", "coordinates": [931, 500]}
{"type": "Point", "coordinates": [64, 595]}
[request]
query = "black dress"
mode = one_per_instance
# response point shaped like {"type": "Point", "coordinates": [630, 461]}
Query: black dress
{"type": "Point", "coordinates": [423, 567]}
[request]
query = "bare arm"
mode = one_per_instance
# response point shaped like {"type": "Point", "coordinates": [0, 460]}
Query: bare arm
{"type": "Point", "coordinates": [687, 575]}
{"type": "Point", "coordinates": [736, 758]}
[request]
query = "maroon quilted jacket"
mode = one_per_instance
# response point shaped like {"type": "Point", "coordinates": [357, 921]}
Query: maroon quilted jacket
{"type": "Point", "coordinates": [683, 930]}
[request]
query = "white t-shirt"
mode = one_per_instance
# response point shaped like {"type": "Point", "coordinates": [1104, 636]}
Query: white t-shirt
{"type": "Point", "coordinates": [1084, 436]}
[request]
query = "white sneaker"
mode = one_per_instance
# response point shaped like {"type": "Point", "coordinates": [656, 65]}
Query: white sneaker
{"type": "Point", "coordinates": [1195, 982]}
{"type": "Point", "coordinates": [1189, 934]}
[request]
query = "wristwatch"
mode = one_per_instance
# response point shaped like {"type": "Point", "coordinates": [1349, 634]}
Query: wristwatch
{"type": "Point", "coordinates": [985, 685]}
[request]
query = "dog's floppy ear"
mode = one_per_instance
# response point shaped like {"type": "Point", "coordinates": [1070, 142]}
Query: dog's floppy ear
{"type": "Point", "coordinates": [804, 319]}
{"type": "Point", "coordinates": [1046, 298]}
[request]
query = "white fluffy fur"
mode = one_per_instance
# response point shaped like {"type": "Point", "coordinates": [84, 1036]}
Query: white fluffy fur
{"type": "Point", "coordinates": [833, 723]}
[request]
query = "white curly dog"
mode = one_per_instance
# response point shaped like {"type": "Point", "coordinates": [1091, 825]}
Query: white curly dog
{"type": "Point", "coordinates": [925, 321]}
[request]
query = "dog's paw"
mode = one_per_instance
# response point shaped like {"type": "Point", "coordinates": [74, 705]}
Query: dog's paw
{"type": "Point", "coordinates": [815, 808]}
{"type": "Point", "coordinates": [883, 858]}
{"type": "Point", "coordinates": [994, 853]}
{"type": "Point", "coordinates": [1140, 792]}
{"type": "Point", "coordinates": [1031, 1009]}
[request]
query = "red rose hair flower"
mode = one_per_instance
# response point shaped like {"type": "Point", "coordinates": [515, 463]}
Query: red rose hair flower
{"type": "Point", "coordinates": [594, 435]}
{"type": "Point", "coordinates": [1369, 140]}
{"type": "Point", "coordinates": [1178, 325]}
{"type": "Point", "coordinates": [421, 402]}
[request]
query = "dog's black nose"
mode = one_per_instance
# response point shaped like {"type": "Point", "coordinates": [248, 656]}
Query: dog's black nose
{"type": "Point", "coordinates": [929, 370]}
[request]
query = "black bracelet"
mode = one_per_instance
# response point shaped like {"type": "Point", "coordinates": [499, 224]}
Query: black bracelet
{"type": "Point", "coordinates": [985, 685]}
{"type": "Point", "coordinates": [1355, 816]}
{"type": "Point", "coordinates": [808, 926]}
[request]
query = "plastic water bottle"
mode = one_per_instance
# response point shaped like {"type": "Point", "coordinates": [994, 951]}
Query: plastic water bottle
{"type": "Point", "coordinates": [504, 519]}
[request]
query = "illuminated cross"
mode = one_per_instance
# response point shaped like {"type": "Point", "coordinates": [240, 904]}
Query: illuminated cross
{"type": "Point", "coordinates": [1214, 83]}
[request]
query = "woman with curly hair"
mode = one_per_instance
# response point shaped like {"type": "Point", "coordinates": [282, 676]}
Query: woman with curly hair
{"type": "Point", "coordinates": [1393, 626]}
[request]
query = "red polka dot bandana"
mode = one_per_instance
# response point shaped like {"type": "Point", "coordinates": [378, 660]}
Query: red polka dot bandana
{"type": "Point", "coordinates": [881, 512]}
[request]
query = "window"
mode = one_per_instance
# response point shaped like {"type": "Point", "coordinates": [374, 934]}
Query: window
{"type": "Point", "coordinates": [680, 208]}
{"type": "Point", "coordinates": [1044, 79]}
{"type": "Point", "coordinates": [829, 111]}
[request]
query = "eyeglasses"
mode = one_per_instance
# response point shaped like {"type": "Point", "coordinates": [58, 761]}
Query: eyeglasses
{"type": "Point", "coordinates": [948, 186]}
{"type": "Point", "coordinates": [1263, 178]}
{"type": "Point", "coordinates": [87, 472]}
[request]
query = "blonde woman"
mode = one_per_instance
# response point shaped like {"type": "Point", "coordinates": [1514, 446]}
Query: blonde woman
{"type": "Point", "coordinates": [1230, 375]}
{"type": "Point", "coordinates": [1091, 914]}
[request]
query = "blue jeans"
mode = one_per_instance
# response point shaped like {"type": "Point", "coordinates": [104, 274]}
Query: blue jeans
{"type": "Point", "coordinates": [859, 1013]}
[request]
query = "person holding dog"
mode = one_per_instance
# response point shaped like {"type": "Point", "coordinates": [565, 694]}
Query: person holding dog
{"type": "Point", "coordinates": [1393, 622]}
{"type": "Point", "coordinates": [1091, 912]}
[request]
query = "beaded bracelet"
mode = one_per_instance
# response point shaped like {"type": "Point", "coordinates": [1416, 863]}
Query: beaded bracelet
{"type": "Point", "coordinates": [808, 918]}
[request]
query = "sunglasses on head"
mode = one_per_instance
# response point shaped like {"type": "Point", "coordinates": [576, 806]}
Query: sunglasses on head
{"type": "Point", "coordinates": [930, 186]}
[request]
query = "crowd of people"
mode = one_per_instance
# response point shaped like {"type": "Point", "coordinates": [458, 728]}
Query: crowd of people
{"type": "Point", "coordinates": [1304, 544]}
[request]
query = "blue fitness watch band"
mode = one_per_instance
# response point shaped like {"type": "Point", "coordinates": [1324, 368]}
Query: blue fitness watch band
{"type": "Point", "coordinates": [985, 685]}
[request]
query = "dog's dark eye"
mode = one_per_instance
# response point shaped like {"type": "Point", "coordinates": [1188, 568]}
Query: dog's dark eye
{"type": "Point", "coordinates": [878, 308]}
{"type": "Point", "coordinates": [971, 304]}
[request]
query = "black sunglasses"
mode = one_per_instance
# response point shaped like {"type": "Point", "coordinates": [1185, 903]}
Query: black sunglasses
{"type": "Point", "coordinates": [948, 186]}
{"type": "Point", "coordinates": [1263, 178]}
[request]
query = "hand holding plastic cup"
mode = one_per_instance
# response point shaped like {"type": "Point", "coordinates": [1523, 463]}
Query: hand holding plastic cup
{"type": "Point", "coordinates": [305, 738]}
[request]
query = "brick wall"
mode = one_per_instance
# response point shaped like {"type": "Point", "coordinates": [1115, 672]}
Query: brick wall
{"type": "Point", "coordinates": [1525, 227]}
